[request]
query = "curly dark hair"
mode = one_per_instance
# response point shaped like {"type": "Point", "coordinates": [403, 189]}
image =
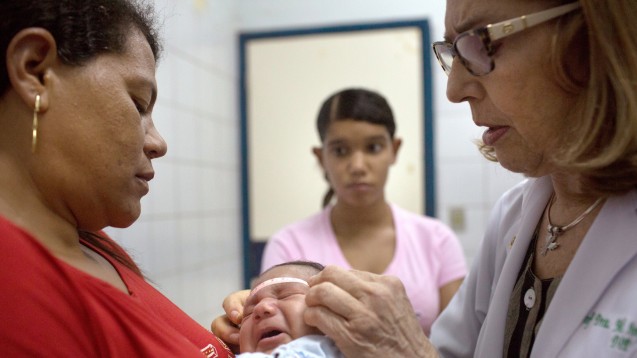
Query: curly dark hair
{"type": "Point", "coordinates": [82, 29]}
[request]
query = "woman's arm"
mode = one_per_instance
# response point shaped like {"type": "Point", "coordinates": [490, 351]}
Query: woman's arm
{"type": "Point", "coordinates": [367, 315]}
{"type": "Point", "coordinates": [447, 291]}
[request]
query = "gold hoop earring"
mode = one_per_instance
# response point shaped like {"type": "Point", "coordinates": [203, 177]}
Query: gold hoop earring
{"type": "Point", "coordinates": [34, 141]}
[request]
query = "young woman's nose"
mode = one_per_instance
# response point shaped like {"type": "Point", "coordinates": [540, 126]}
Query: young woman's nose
{"type": "Point", "coordinates": [265, 308]}
{"type": "Point", "coordinates": [357, 162]}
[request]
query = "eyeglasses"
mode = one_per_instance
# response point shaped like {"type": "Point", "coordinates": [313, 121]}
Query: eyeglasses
{"type": "Point", "coordinates": [474, 48]}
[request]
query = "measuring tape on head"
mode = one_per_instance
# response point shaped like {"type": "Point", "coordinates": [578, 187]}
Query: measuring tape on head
{"type": "Point", "coordinates": [277, 280]}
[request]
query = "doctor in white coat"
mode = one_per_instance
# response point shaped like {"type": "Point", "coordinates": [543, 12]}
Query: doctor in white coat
{"type": "Point", "coordinates": [554, 84]}
{"type": "Point", "coordinates": [593, 313]}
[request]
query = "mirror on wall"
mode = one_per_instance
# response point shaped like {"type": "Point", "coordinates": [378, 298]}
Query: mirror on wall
{"type": "Point", "coordinates": [285, 76]}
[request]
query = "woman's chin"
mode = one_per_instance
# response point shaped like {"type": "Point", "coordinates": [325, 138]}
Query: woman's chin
{"type": "Point", "coordinates": [125, 220]}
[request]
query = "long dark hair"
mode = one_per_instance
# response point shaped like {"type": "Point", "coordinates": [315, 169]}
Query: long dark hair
{"type": "Point", "coordinates": [356, 104]}
{"type": "Point", "coordinates": [83, 29]}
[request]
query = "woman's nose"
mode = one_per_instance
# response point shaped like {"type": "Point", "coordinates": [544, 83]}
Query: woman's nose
{"type": "Point", "coordinates": [154, 144]}
{"type": "Point", "coordinates": [461, 84]}
{"type": "Point", "coordinates": [357, 162]}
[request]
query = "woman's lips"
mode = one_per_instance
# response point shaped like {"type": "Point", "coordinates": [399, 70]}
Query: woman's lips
{"type": "Point", "coordinates": [360, 186]}
{"type": "Point", "coordinates": [492, 134]}
{"type": "Point", "coordinates": [144, 184]}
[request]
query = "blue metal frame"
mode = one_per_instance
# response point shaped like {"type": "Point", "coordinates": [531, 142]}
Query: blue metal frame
{"type": "Point", "coordinates": [251, 251]}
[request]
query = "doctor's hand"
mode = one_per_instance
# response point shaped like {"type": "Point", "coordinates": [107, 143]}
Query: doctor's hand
{"type": "Point", "coordinates": [226, 326]}
{"type": "Point", "coordinates": [367, 315]}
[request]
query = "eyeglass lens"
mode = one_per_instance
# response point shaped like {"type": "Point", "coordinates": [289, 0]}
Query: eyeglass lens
{"type": "Point", "coordinates": [471, 50]}
{"type": "Point", "coordinates": [473, 53]}
{"type": "Point", "coordinates": [444, 53]}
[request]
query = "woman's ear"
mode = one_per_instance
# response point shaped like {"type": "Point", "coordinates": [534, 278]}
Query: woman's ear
{"type": "Point", "coordinates": [31, 55]}
{"type": "Point", "coordinates": [396, 143]}
{"type": "Point", "coordinates": [318, 153]}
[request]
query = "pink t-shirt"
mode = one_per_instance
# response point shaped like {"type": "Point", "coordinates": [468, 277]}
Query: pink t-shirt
{"type": "Point", "coordinates": [428, 254]}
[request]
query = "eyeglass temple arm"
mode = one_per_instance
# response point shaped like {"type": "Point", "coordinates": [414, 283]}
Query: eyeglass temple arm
{"type": "Point", "coordinates": [509, 27]}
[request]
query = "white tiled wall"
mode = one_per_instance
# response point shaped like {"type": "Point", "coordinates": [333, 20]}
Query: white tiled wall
{"type": "Point", "coordinates": [188, 239]}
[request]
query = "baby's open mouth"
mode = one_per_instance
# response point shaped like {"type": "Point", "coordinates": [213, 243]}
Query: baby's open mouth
{"type": "Point", "coordinates": [270, 334]}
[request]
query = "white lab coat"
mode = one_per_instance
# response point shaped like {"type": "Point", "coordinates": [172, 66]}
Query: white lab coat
{"type": "Point", "coordinates": [594, 310]}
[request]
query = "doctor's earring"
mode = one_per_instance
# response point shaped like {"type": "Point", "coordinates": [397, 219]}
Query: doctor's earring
{"type": "Point", "coordinates": [36, 110]}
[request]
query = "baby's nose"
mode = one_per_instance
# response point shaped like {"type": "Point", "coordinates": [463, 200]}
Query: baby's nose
{"type": "Point", "coordinates": [265, 308]}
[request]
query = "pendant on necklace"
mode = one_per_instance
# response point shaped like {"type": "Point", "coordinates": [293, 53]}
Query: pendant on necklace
{"type": "Point", "coordinates": [551, 239]}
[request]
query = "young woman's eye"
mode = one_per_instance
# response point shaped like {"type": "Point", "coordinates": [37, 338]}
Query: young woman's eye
{"type": "Point", "coordinates": [339, 151]}
{"type": "Point", "coordinates": [375, 147]}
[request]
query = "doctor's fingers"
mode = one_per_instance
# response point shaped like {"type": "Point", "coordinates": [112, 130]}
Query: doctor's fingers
{"type": "Point", "coordinates": [381, 301]}
{"type": "Point", "coordinates": [356, 283]}
{"type": "Point", "coordinates": [368, 331]}
{"type": "Point", "coordinates": [365, 313]}
{"type": "Point", "coordinates": [334, 299]}
{"type": "Point", "coordinates": [350, 338]}
{"type": "Point", "coordinates": [360, 299]}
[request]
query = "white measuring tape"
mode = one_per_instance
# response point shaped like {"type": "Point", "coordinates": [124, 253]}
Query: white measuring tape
{"type": "Point", "coordinates": [277, 280]}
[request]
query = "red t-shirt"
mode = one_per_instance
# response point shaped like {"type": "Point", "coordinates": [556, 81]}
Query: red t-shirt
{"type": "Point", "coordinates": [50, 309]}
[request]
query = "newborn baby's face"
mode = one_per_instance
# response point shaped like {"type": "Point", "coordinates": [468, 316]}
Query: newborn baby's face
{"type": "Point", "coordinates": [273, 313]}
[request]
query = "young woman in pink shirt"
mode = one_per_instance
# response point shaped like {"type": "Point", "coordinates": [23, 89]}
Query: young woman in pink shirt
{"type": "Point", "coordinates": [358, 228]}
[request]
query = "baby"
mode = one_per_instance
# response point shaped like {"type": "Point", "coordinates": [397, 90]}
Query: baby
{"type": "Point", "coordinates": [273, 325]}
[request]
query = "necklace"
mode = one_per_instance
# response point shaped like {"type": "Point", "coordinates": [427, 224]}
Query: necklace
{"type": "Point", "coordinates": [555, 231]}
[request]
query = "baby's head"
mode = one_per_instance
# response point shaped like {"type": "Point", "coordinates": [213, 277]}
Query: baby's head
{"type": "Point", "coordinates": [273, 313]}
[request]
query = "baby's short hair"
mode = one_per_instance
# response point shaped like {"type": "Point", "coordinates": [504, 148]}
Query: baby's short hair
{"type": "Point", "coordinates": [311, 264]}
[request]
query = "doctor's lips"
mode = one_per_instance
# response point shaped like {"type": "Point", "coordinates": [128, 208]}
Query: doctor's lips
{"type": "Point", "coordinates": [493, 134]}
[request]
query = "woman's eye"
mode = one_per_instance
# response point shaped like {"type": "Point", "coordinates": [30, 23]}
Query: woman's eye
{"type": "Point", "coordinates": [339, 151]}
{"type": "Point", "coordinates": [140, 108]}
{"type": "Point", "coordinates": [375, 148]}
